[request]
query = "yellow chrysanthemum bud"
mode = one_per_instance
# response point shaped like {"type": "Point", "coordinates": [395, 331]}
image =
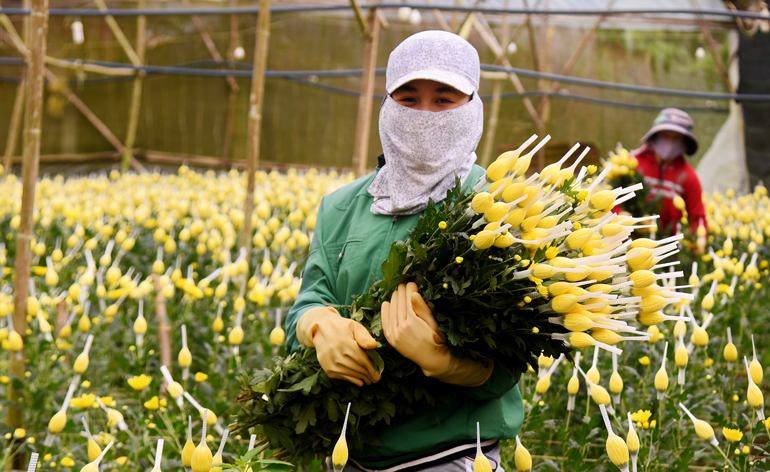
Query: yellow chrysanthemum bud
{"type": "Point", "coordinates": [140, 326]}
{"type": "Point", "coordinates": [340, 453]}
{"type": "Point", "coordinates": [522, 458]}
{"type": "Point", "coordinates": [93, 450]}
{"type": "Point", "coordinates": [643, 278]}
{"type": "Point", "coordinates": [730, 352]}
{"type": "Point", "coordinates": [484, 239]}
{"type": "Point", "coordinates": [185, 357]}
{"type": "Point", "coordinates": [573, 386]}
{"type": "Point", "coordinates": [57, 422]}
{"type": "Point", "coordinates": [482, 202]}
{"type": "Point", "coordinates": [699, 336]}
{"type": "Point", "coordinates": [681, 356]}
{"type": "Point", "coordinates": [616, 383]}
{"type": "Point", "coordinates": [236, 336]}
{"type": "Point", "coordinates": [277, 336]}
{"type": "Point", "coordinates": [600, 395]}
{"type": "Point", "coordinates": [602, 200]}
{"type": "Point", "coordinates": [617, 450]}
{"type": "Point", "coordinates": [661, 379]}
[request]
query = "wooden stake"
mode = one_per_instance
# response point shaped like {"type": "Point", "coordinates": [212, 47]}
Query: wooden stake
{"type": "Point", "coordinates": [13, 128]}
{"type": "Point", "coordinates": [32, 120]}
{"type": "Point", "coordinates": [489, 139]}
{"type": "Point", "coordinates": [136, 92]}
{"type": "Point", "coordinates": [256, 102]}
{"type": "Point", "coordinates": [364, 121]}
{"type": "Point", "coordinates": [164, 330]}
{"type": "Point", "coordinates": [61, 315]}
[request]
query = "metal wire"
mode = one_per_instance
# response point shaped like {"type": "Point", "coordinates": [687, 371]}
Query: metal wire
{"type": "Point", "coordinates": [383, 5]}
{"type": "Point", "coordinates": [177, 70]}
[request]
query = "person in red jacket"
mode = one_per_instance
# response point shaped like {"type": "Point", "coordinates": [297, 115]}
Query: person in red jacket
{"type": "Point", "coordinates": [666, 172]}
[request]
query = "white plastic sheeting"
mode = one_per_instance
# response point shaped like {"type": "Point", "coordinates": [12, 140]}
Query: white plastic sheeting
{"type": "Point", "coordinates": [723, 166]}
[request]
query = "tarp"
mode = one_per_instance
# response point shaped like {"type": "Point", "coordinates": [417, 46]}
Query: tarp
{"type": "Point", "coordinates": [723, 166]}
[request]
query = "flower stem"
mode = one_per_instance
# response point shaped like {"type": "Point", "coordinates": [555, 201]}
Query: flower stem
{"type": "Point", "coordinates": [727, 461]}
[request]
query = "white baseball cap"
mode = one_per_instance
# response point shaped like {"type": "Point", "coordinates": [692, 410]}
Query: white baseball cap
{"type": "Point", "coordinates": [434, 55]}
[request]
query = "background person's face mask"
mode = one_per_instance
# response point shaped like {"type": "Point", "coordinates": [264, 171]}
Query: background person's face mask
{"type": "Point", "coordinates": [666, 149]}
{"type": "Point", "coordinates": [424, 152]}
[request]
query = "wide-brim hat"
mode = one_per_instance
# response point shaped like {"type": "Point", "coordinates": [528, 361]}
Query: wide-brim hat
{"type": "Point", "coordinates": [674, 119]}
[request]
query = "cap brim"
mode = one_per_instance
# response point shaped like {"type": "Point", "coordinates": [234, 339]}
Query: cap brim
{"type": "Point", "coordinates": [692, 143]}
{"type": "Point", "coordinates": [452, 79]}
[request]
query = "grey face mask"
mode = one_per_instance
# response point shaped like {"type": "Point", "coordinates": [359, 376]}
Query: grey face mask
{"type": "Point", "coordinates": [424, 152]}
{"type": "Point", "coordinates": [668, 150]}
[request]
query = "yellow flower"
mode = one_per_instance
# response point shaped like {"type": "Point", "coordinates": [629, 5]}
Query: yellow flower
{"type": "Point", "coordinates": [442, 225]}
{"type": "Point", "coordinates": [708, 362]}
{"type": "Point", "coordinates": [67, 462]}
{"type": "Point", "coordinates": [108, 401]}
{"type": "Point", "coordinates": [85, 384]}
{"type": "Point", "coordinates": [551, 252]}
{"type": "Point", "coordinates": [19, 433]}
{"type": "Point", "coordinates": [644, 360]}
{"type": "Point", "coordinates": [732, 435]}
{"type": "Point", "coordinates": [641, 416]}
{"type": "Point", "coordinates": [163, 402]}
{"type": "Point", "coordinates": [121, 460]}
{"type": "Point", "coordinates": [5, 379]}
{"type": "Point", "coordinates": [201, 377]}
{"type": "Point", "coordinates": [152, 403]}
{"type": "Point", "coordinates": [84, 401]}
{"type": "Point", "coordinates": [459, 260]}
{"type": "Point", "coordinates": [591, 169]}
{"type": "Point", "coordinates": [746, 450]}
{"type": "Point", "coordinates": [140, 382]}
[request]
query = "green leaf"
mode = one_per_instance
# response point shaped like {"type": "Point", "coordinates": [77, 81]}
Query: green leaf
{"type": "Point", "coordinates": [306, 416]}
{"type": "Point", "coordinates": [249, 455]}
{"type": "Point", "coordinates": [280, 435]}
{"type": "Point", "coordinates": [379, 364]}
{"type": "Point", "coordinates": [305, 385]}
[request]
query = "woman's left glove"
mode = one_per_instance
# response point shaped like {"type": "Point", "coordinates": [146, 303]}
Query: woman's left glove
{"type": "Point", "coordinates": [409, 326]}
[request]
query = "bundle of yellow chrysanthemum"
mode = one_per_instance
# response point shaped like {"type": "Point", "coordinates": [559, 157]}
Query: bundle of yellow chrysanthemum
{"type": "Point", "coordinates": [531, 265]}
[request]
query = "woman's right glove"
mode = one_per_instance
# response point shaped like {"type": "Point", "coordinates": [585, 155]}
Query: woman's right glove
{"type": "Point", "coordinates": [339, 344]}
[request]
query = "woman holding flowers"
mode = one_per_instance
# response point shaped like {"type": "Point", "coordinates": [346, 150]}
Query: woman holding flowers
{"type": "Point", "coordinates": [430, 123]}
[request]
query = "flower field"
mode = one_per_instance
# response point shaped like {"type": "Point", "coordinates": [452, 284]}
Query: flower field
{"type": "Point", "coordinates": [130, 268]}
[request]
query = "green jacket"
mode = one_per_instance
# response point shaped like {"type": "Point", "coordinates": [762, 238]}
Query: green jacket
{"type": "Point", "coordinates": [349, 245]}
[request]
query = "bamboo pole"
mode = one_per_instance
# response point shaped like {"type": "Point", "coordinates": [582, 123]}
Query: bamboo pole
{"type": "Point", "coordinates": [256, 102]}
{"type": "Point", "coordinates": [712, 47]}
{"type": "Point", "coordinates": [32, 120]}
{"type": "Point", "coordinates": [575, 55]}
{"type": "Point", "coordinates": [364, 121]}
{"type": "Point", "coordinates": [136, 91]}
{"type": "Point", "coordinates": [206, 37]}
{"type": "Point", "coordinates": [489, 139]}
{"type": "Point", "coordinates": [119, 34]}
{"type": "Point", "coordinates": [230, 123]}
{"type": "Point", "coordinates": [13, 128]}
{"type": "Point", "coordinates": [485, 31]}
{"type": "Point", "coordinates": [363, 23]}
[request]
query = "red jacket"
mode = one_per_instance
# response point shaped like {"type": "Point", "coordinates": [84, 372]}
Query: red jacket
{"type": "Point", "coordinates": [669, 180]}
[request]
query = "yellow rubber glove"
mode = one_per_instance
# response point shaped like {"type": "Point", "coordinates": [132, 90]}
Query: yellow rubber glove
{"type": "Point", "coordinates": [410, 327]}
{"type": "Point", "coordinates": [339, 344]}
